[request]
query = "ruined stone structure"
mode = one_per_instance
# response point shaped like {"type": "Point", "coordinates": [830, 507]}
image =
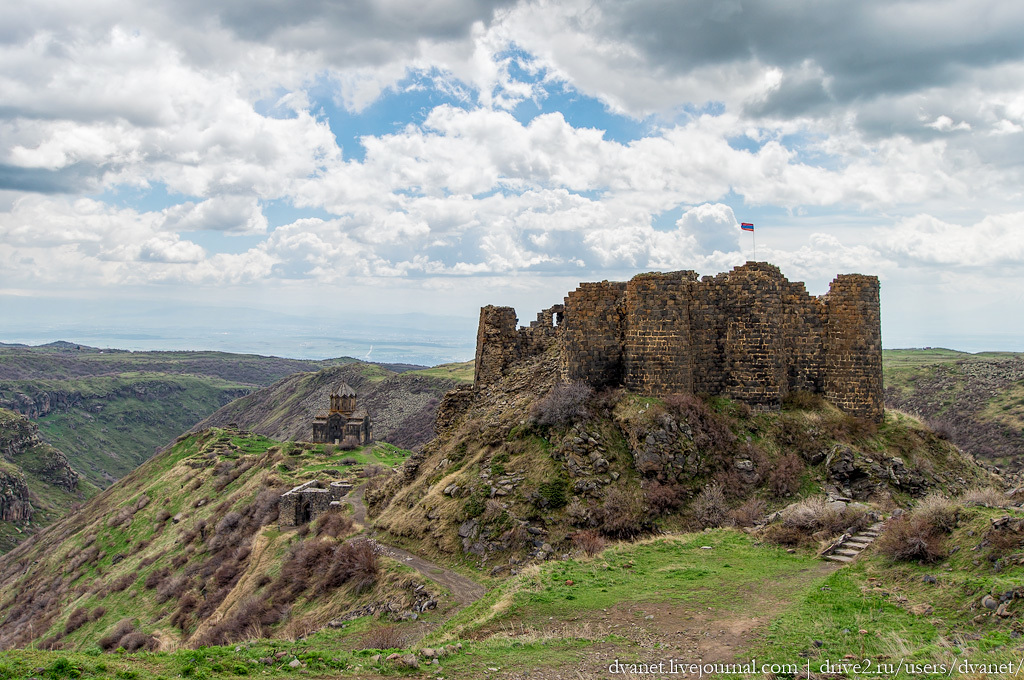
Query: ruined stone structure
{"type": "Point", "coordinates": [748, 334]}
{"type": "Point", "coordinates": [344, 424]}
{"type": "Point", "coordinates": [307, 501]}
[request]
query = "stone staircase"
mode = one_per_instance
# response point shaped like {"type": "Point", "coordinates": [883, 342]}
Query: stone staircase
{"type": "Point", "coordinates": [847, 548]}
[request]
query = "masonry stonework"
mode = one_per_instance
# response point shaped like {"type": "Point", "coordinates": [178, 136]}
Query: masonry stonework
{"type": "Point", "coordinates": [748, 334]}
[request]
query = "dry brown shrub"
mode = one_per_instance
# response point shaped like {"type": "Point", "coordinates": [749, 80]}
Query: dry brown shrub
{"type": "Point", "coordinates": [384, 637]}
{"type": "Point", "coordinates": [808, 514]}
{"type": "Point", "coordinates": [52, 643]}
{"type": "Point", "coordinates": [492, 510]}
{"type": "Point", "coordinates": [135, 641]}
{"type": "Point", "coordinates": [938, 512]}
{"type": "Point", "coordinates": [711, 431]}
{"type": "Point", "coordinates": [248, 620]}
{"type": "Point", "coordinates": [122, 582]}
{"type": "Point", "coordinates": [804, 401]}
{"type": "Point", "coordinates": [97, 613]}
{"type": "Point", "coordinates": [988, 496]}
{"type": "Point", "coordinates": [748, 514]}
{"type": "Point", "coordinates": [226, 574]}
{"type": "Point", "coordinates": [172, 588]}
{"type": "Point", "coordinates": [87, 556]}
{"type": "Point", "coordinates": [375, 470]}
{"type": "Point", "coordinates": [664, 498]}
{"type": "Point", "coordinates": [333, 524]}
{"type": "Point", "coordinates": [789, 536]}
{"type": "Point", "coordinates": [589, 541]}
{"type": "Point", "coordinates": [564, 404]}
{"type": "Point", "coordinates": [75, 621]}
{"type": "Point", "coordinates": [784, 479]}
{"type": "Point", "coordinates": [912, 538]}
{"type": "Point", "coordinates": [156, 577]}
{"type": "Point", "coordinates": [709, 507]}
{"type": "Point", "coordinates": [113, 637]}
{"type": "Point", "coordinates": [516, 538]}
{"type": "Point", "coordinates": [187, 604]}
{"type": "Point", "coordinates": [624, 514]}
{"type": "Point", "coordinates": [578, 513]}
{"type": "Point", "coordinates": [1004, 541]}
{"type": "Point", "coordinates": [355, 564]}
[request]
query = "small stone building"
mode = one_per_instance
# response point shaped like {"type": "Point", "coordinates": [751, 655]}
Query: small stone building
{"type": "Point", "coordinates": [344, 424]}
{"type": "Point", "coordinates": [307, 501]}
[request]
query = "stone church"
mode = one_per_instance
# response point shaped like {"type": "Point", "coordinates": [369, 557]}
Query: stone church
{"type": "Point", "coordinates": [344, 424]}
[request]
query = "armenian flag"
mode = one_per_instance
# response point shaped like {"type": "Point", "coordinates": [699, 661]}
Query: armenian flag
{"type": "Point", "coordinates": [747, 226]}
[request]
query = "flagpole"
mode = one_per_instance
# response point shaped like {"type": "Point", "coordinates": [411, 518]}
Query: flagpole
{"type": "Point", "coordinates": [749, 226]}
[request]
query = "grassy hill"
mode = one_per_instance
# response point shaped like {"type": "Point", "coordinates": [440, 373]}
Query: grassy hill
{"type": "Point", "coordinates": [975, 400]}
{"type": "Point", "coordinates": [186, 550]}
{"type": "Point", "coordinates": [109, 410]}
{"type": "Point", "coordinates": [401, 405]}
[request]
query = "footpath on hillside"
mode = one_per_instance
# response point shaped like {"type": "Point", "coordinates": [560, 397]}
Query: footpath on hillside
{"type": "Point", "coordinates": [464, 590]}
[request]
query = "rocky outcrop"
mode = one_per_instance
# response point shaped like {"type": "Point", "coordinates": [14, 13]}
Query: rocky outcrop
{"type": "Point", "coordinates": [14, 495]}
{"type": "Point", "coordinates": [862, 476]}
{"type": "Point", "coordinates": [21, 445]}
{"type": "Point", "coordinates": [41, 403]}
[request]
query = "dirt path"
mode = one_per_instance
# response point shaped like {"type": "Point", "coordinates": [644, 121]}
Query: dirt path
{"type": "Point", "coordinates": [688, 632]}
{"type": "Point", "coordinates": [464, 590]}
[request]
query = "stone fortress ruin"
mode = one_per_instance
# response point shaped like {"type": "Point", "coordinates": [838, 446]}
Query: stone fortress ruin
{"type": "Point", "coordinates": [748, 334]}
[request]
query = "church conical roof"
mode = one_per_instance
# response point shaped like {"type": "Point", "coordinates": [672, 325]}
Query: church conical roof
{"type": "Point", "coordinates": [344, 390]}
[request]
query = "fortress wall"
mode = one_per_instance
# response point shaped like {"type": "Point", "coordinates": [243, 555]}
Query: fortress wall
{"type": "Point", "coordinates": [593, 334]}
{"type": "Point", "coordinates": [658, 356]}
{"type": "Point", "coordinates": [707, 334]}
{"type": "Point", "coordinates": [803, 332]}
{"type": "Point", "coordinates": [853, 346]}
{"type": "Point", "coordinates": [496, 344]}
{"type": "Point", "coordinates": [538, 336]}
{"type": "Point", "coordinates": [751, 302]}
{"type": "Point", "coordinates": [748, 334]}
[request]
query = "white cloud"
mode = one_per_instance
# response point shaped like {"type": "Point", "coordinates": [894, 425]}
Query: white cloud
{"type": "Point", "coordinates": [233, 214]}
{"type": "Point", "coordinates": [995, 241]}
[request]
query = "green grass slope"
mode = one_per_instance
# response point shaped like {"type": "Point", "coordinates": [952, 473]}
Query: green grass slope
{"type": "Point", "coordinates": [109, 410]}
{"type": "Point", "coordinates": [108, 425]}
{"type": "Point", "coordinates": [975, 400]}
{"type": "Point", "coordinates": [401, 405]}
{"type": "Point", "coordinates": [186, 551]}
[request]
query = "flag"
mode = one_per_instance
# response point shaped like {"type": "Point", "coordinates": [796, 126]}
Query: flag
{"type": "Point", "coordinates": [747, 226]}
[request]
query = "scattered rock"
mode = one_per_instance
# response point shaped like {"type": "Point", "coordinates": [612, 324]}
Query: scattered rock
{"type": "Point", "coordinates": [295, 663]}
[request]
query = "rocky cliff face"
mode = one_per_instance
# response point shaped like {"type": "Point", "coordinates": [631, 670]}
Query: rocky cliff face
{"type": "Point", "coordinates": [14, 495]}
{"type": "Point", "coordinates": [41, 403]}
{"type": "Point", "coordinates": [24, 452]}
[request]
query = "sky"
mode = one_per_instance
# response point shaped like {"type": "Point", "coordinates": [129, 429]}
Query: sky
{"type": "Point", "coordinates": [316, 178]}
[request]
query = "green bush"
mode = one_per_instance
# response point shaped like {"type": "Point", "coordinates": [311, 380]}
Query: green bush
{"type": "Point", "coordinates": [555, 493]}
